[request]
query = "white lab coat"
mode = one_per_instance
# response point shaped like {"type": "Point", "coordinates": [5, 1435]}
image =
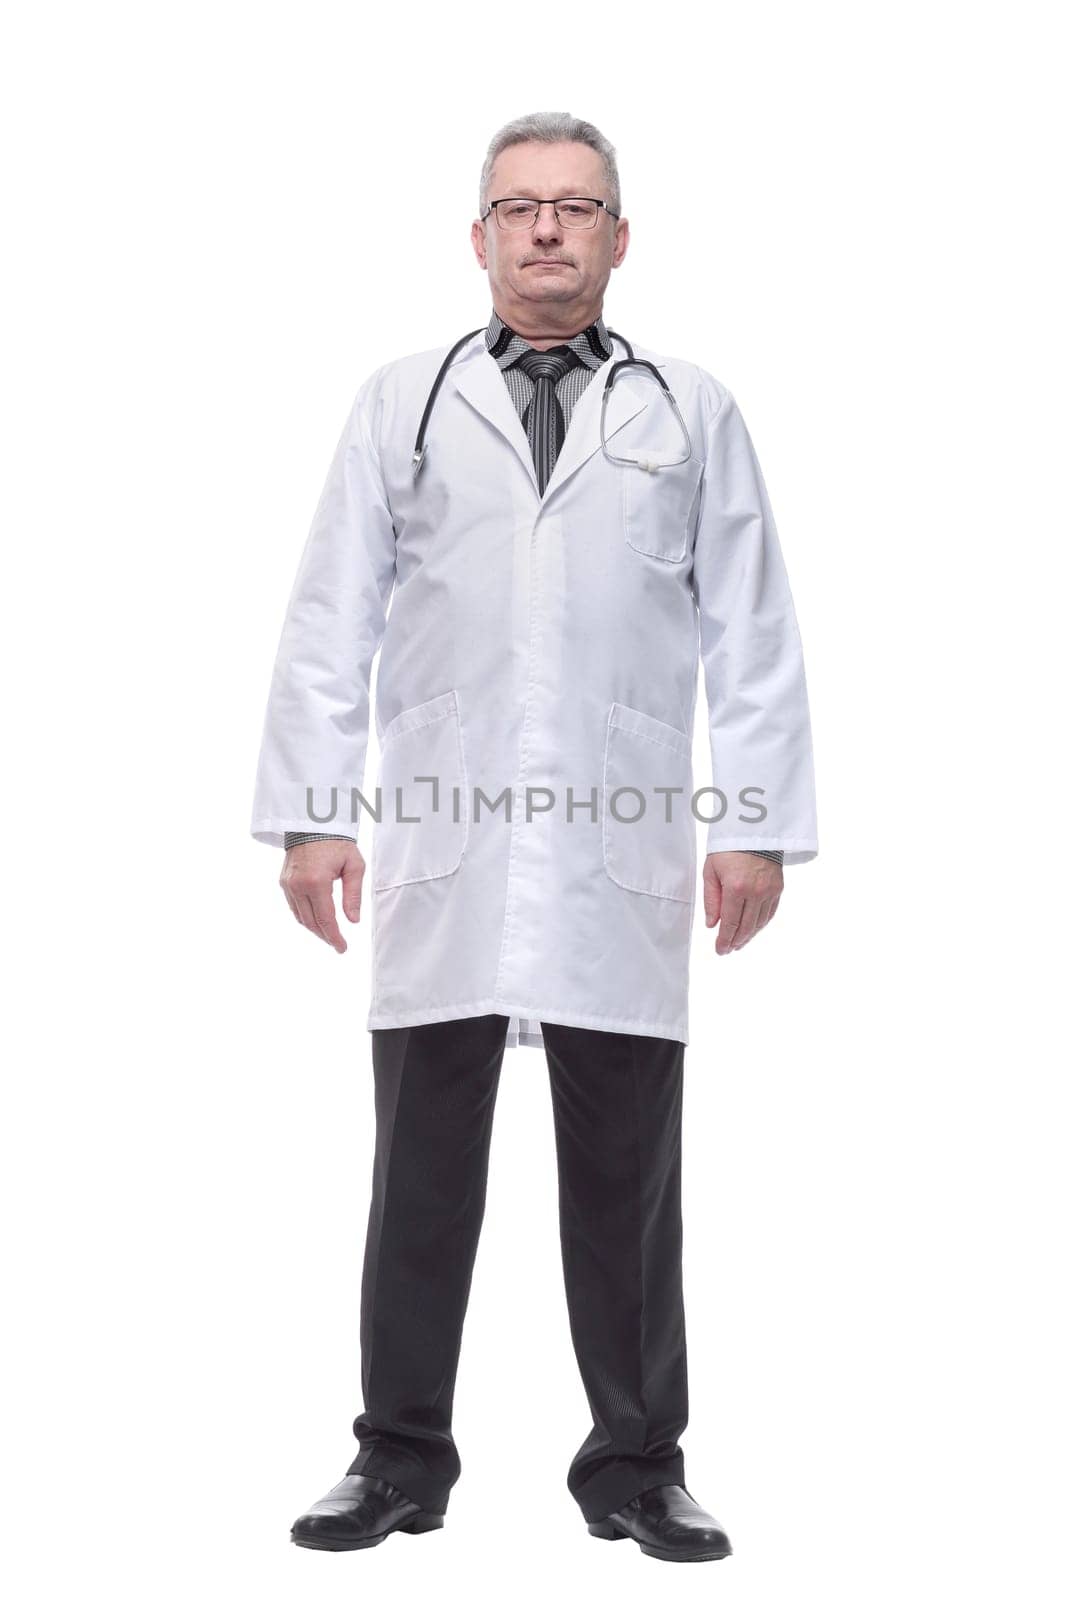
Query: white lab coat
{"type": "Point", "coordinates": [539, 645]}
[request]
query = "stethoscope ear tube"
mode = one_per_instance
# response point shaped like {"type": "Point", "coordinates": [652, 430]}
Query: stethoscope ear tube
{"type": "Point", "coordinates": [645, 462]}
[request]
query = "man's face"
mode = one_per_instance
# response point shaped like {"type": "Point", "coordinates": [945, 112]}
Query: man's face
{"type": "Point", "coordinates": [549, 263]}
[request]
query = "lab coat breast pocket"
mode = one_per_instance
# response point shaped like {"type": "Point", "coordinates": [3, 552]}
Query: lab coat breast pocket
{"type": "Point", "coordinates": [424, 817]}
{"type": "Point", "coordinates": [659, 503]}
{"type": "Point", "coordinates": [654, 854]}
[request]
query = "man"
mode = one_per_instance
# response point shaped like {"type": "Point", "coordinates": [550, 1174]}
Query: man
{"type": "Point", "coordinates": [534, 850]}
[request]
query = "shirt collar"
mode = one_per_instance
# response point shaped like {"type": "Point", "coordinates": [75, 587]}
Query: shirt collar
{"type": "Point", "coordinates": [592, 345]}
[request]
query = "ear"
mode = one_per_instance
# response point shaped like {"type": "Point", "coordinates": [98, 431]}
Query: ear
{"type": "Point", "coordinates": [477, 239]}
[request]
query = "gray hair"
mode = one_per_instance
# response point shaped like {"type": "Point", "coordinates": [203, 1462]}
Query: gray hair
{"type": "Point", "coordinates": [552, 127]}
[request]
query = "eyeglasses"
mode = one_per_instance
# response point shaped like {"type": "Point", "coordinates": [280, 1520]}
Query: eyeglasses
{"type": "Point", "coordinates": [570, 212]}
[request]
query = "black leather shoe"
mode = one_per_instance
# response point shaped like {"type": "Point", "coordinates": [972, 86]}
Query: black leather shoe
{"type": "Point", "coordinates": [668, 1523]}
{"type": "Point", "coordinates": [359, 1512]}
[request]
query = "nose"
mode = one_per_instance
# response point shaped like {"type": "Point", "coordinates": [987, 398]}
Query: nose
{"type": "Point", "coordinates": [547, 224]}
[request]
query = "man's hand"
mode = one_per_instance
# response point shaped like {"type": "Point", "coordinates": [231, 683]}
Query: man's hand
{"type": "Point", "coordinates": [743, 890]}
{"type": "Point", "coordinates": [307, 880]}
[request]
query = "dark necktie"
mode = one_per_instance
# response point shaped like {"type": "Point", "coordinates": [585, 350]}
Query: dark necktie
{"type": "Point", "coordinates": [543, 419]}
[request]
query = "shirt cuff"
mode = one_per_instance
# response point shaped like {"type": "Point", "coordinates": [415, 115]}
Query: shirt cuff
{"type": "Point", "coordinates": [309, 838]}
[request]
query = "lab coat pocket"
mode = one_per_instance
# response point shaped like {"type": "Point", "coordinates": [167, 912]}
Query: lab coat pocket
{"type": "Point", "coordinates": [424, 817]}
{"type": "Point", "coordinates": [654, 853]}
{"type": "Point", "coordinates": [659, 503]}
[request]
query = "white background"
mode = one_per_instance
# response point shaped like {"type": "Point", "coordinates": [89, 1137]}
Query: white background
{"type": "Point", "coordinates": [221, 219]}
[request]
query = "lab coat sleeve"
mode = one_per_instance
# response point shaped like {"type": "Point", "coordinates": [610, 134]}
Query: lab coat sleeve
{"type": "Point", "coordinates": [317, 722]}
{"type": "Point", "coordinates": [759, 721]}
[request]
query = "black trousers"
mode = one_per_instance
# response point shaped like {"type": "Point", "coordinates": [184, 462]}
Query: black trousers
{"type": "Point", "coordinates": [617, 1110]}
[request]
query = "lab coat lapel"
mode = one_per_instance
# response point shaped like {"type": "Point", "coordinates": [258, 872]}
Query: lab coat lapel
{"type": "Point", "coordinates": [583, 435]}
{"type": "Point", "coordinates": [479, 380]}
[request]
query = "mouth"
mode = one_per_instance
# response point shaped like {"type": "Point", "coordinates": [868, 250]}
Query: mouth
{"type": "Point", "coordinates": [547, 261]}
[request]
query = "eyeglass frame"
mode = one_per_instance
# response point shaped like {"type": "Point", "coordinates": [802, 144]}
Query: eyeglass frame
{"type": "Point", "coordinates": [555, 204]}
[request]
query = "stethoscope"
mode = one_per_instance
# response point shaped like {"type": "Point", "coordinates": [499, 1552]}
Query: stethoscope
{"type": "Point", "coordinates": [622, 461]}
